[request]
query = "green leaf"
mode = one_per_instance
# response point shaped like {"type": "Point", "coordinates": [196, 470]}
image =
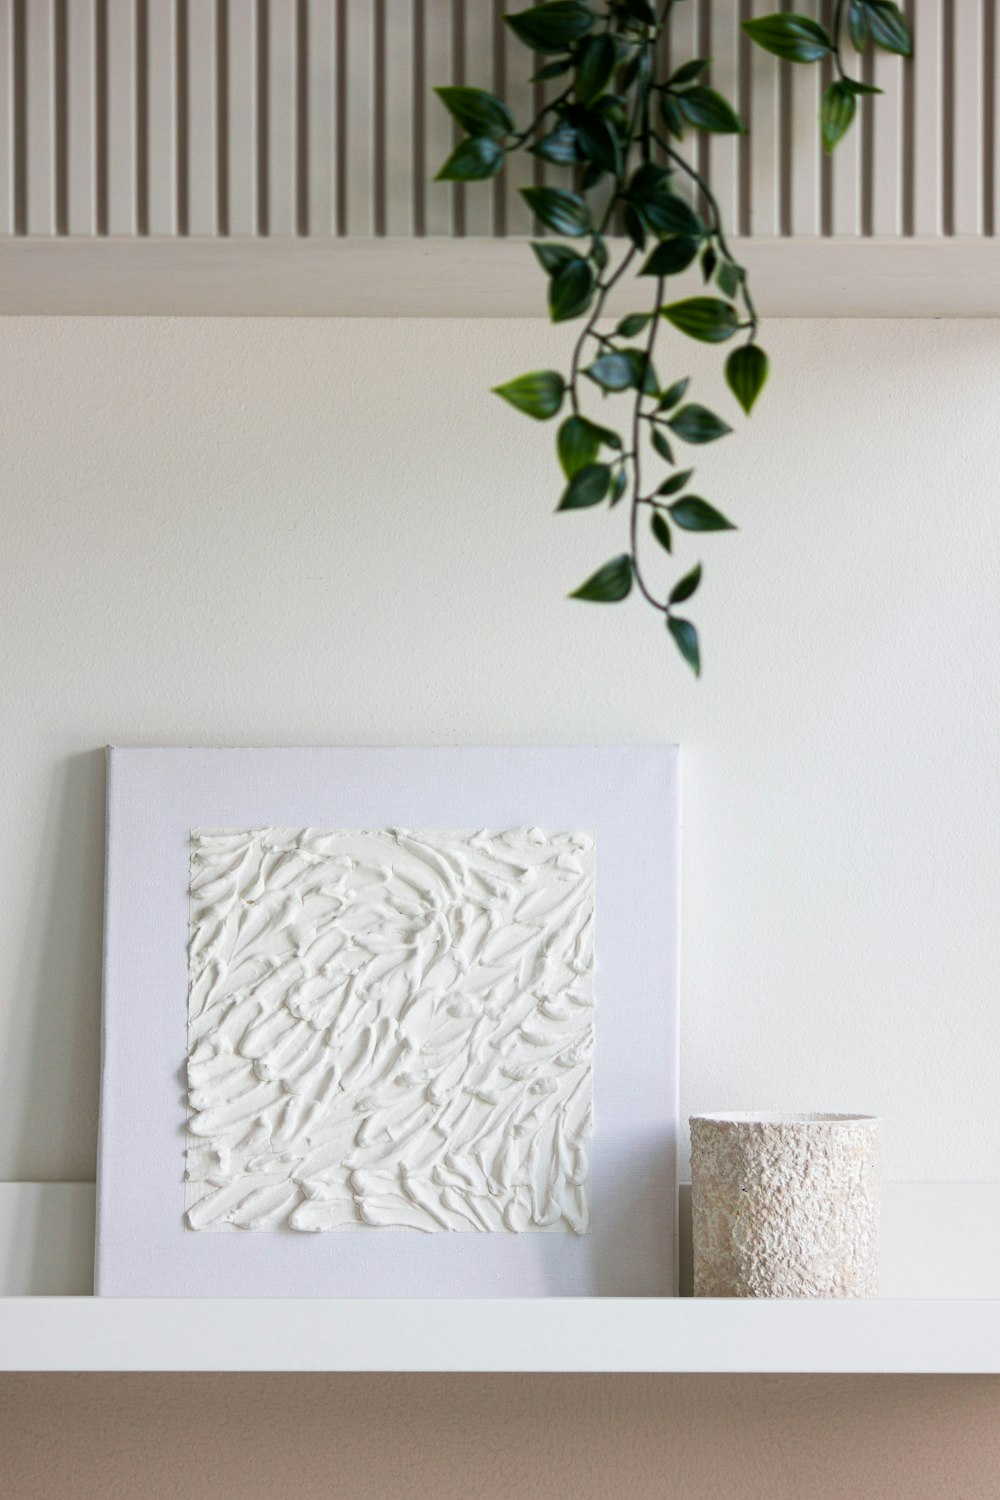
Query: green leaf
{"type": "Point", "coordinates": [696, 424]}
{"type": "Point", "coordinates": [693, 514]}
{"type": "Point", "coordinates": [634, 227]}
{"type": "Point", "coordinates": [686, 586]}
{"type": "Point", "coordinates": [888, 27]}
{"type": "Point", "coordinates": [551, 27]}
{"type": "Point", "coordinates": [856, 86]}
{"type": "Point", "coordinates": [704, 318]}
{"type": "Point", "coordinates": [571, 290]}
{"type": "Point", "coordinates": [566, 213]}
{"type": "Point", "coordinates": [596, 61]}
{"type": "Point", "coordinates": [478, 157]}
{"type": "Point", "coordinates": [670, 257]}
{"type": "Point", "coordinates": [668, 214]}
{"type": "Point", "coordinates": [629, 327]}
{"type": "Point", "coordinates": [686, 640]}
{"type": "Point", "coordinates": [836, 113]}
{"type": "Point", "coordinates": [674, 483]}
{"type": "Point", "coordinates": [539, 394]}
{"type": "Point", "coordinates": [661, 531]}
{"type": "Point", "coordinates": [792, 37]}
{"type": "Point", "coordinates": [746, 372]}
{"type": "Point", "coordinates": [609, 584]}
{"type": "Point", "coordinates": [661, 445]}
{"type": "Point", "coordinates": [598, 142]}
{"type": "Point", "coordinates": [612, 372]}
{"type": "Point", "coordinates": [858, 26]}
{"type": "Point", "coordinates": [477, 111]}
{"type": "Point", "coordinates": [599, 252]}
{"type": "Point", "coordinates": [588, 486]}
{"type": "Point", "coordinates": [673, 394]}
{"type": "Point", "coordinates": [552, 70]}
{"type": "Point", "coordinates": [709, 260]}
{"type": "Point", "coordinates": [728, 279]}
{"type": "Point", "coordinates": [688, 72]}
{"type": "Point", "coordinates": [559, 146]}
{"type": "Point", "coordinates": [708, 110]}
{"type": "Point", "coordinates": [641, 10]}
{"type": "Point", "coordinates": [671, 115]}
{"type": "Point", "coordinates": [618, 485]}
{"type": "Point", "coordinates": [643, 374]}
{"type": "Point", "coordinates": [577, 445]}
{"type": "Point", "coordinates": [551, 257]}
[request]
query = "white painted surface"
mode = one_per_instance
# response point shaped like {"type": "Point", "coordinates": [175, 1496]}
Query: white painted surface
{"type": "Point", "coordinates": [937, 1240]}
{"type": "Point", "coordinates": [218, 493]}
{"type": "Point", "coordinates": [569, 1334]}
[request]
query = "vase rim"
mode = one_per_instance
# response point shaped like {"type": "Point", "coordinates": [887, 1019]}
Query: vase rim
{"type": "Point", "coordinates": [776, 1117]}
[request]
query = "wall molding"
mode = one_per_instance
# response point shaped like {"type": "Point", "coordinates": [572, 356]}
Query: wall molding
{"type": "Point", "coordinates": [465, 278]}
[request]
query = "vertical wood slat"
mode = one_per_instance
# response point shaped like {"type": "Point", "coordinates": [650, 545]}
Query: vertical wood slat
{"type": "Point", "coordinates": [805, 185]}
{"type": "Point", "coordinates": [240, 146]}
{"type": "Point", "coordinates": [161, 118]}
{"type": "Point", "coordinates": [477, 71]}
{"type": "Point", "coordinates": [967, 106]}
{"type": "Point", "coordinates": [8, 165]}
{"type": "Point", "coordinates": [765, 136]}
{"type": "Point", "coordinates": [201, 126]}
{"type": "Point", "coordinates": [321, 170]}
{"type": "Point", "coordinates": [886, 112]}
{"type": "Point", "coordinates": [724, 150]}
{"type": "Point", "coordinates": [397, 107]}
{"type": "Point", "coordinates": [684, 45]}
{"type": "Point", "coordinates": [120, 160]}
{"type": "Point", "coordinates": [519, 95]}
{"type": "Point", "coordinates": [439, 138]}
{"type": "Point", "coordinates": [282, 80]}
{"type": "Point", "coordinates": [80, 105]}
{"type": "Point", "coordinates": [40, 145]}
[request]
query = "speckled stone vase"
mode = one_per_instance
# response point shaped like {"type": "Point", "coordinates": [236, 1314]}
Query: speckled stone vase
{"type": "Point", "coordinates": [785, 1205]}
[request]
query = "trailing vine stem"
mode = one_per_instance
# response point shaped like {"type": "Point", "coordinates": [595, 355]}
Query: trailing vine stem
{"type": "Point", "coordinates": [601, 129]}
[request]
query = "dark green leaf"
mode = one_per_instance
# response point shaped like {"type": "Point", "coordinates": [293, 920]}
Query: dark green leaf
{"type": "Point", "coordinates": [588, 486]}
{"type": "Point", "coordinates": [564, 212]}
{"type": "Point", "coordinates": [661, 445]}
{"type": "Point", "coordinates": [696, 424]}
{"type": "Point", "coordinates": [613, 372]}
{"type": "Point", "coordinates": [599, 252]}
{"type": "Point", "coordinates": [539, 394]}
{"type": "Point", "coordinates": [672, 117]}
{"type": "Point", "coordinates": [559, 146]}
{"type": "Point", "coordinates": [643, 374]}
{"type": "Point", "coordinates": [632, 325]}
{"type": "Point", "coordinates": [641, 10]}
{"type": "Point", "coordinates": [728, 279]}
{"type": "Point", "coordinates": [553, 257]}
{"type": "Point", "coordinates": [668, 214]}
{"type": "Point", "coordinates": [477, 111]}
{"type": "Point", "coordinates": [648, 180]}
{"type": "Point", "coordinates": [670, 257]}
{"type": "Point", "coordinates": [675, 482]}
{"type": "Point", "coordinates": [708, 110]}
{"type": "Point", "coordinates": [686, 640]}
{"type": "Point", "coordinates": [688, 72]}
{"type": "Point", "coordinates": [858, 26]}
{"type": "Point", "coordinates": [673, 394]}
{"type": "Point", "coordinates": [709, 261]}
{"type": "Point", "coordinates": [577, 445]}
{"type": "Point", "coordinates": [888, 27]}
{"type": "Point", "coordinates": [478, 157]}
{"type": "Point", "coordinates": [746, 372]}
{"type": "Point", "coordinates": [836, 114]}
{"type": "Point", "coordinates": [609, 584]}
{"type": "Point", "coordinates": [598, 142]}
{"type": "Point", "coordinates": [661, 531]}
{"type": "Point", "coordinates": [697, 515]}
{"type": "Point", "coordinates": [552, 70]}
{"type": "Point", "coordinates": [549, 28]}
{"type": "Point", "coordinates": [704, 318]}
{"type": "Point", "coordinates": [571, 291]}
{"type": "Point", "coordinates": [793, 37]}
{"type": "Point", "coordinates": [595, 64]}
{"type": "Point", "coordinates": [856, 86]}
{"type": "Point", "coordinates": [686, 586]}
{"type": "Point", "coordinates": [634, 227]}
{"type": "Point", "coordinates": [618, 485]}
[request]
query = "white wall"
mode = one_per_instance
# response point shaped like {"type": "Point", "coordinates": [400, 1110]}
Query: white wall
{"type": "Point", "coordinates": [271, 532]}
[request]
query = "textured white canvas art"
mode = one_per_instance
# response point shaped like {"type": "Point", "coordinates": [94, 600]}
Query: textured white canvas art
{"type": "Point", "coordinates": [390, 1030]}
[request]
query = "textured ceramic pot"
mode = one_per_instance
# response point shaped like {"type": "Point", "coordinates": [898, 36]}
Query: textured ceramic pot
{"type": "Point", "coordinates": [785, 1205]}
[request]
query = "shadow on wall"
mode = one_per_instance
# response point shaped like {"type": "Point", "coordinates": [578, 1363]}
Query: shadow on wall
{"type": "Point", "coordinates": [52, 1059]}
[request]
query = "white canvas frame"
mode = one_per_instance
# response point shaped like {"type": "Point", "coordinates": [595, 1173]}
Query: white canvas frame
{"type": "Point", "coordinates": [629, 798]}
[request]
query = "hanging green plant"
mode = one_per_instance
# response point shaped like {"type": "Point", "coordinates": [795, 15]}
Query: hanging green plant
{"type": "Point", "coordinates": [616, 127]}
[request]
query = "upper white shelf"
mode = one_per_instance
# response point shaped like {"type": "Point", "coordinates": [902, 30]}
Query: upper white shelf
{"type": "Point", "coordinates": [644, 1335]}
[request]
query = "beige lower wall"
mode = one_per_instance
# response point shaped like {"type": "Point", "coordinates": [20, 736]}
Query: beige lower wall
{"type": "Point", "coordinates": [482, 1437]}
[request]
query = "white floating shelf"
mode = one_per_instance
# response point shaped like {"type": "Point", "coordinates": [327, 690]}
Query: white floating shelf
{"type": "Point", "coordinates": [645, 1335]}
